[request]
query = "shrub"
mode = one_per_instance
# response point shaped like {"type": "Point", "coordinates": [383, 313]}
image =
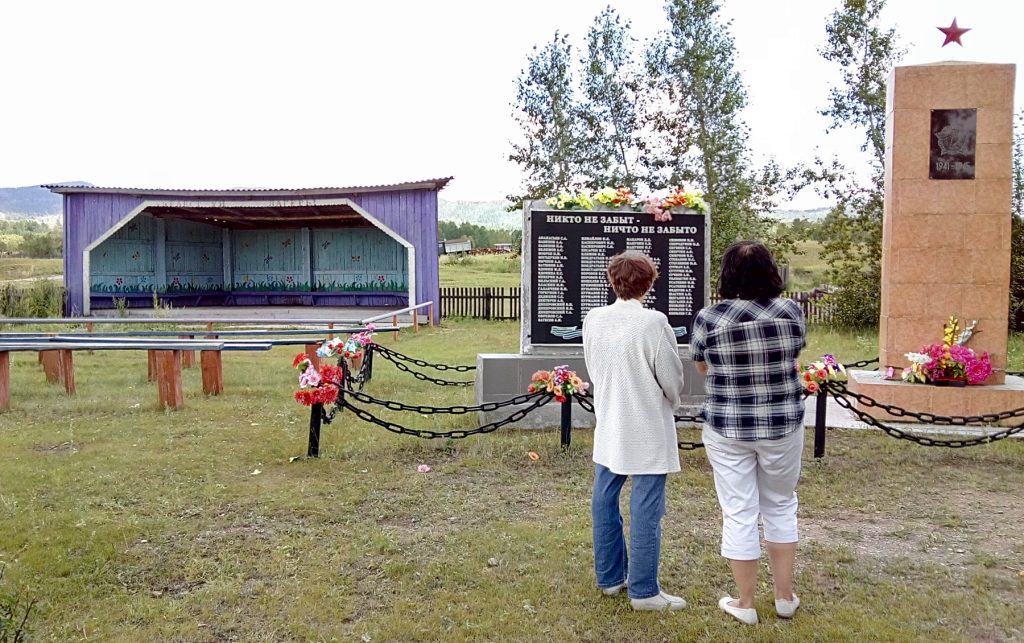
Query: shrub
{"type": "Point", "coordinates": [856, 303]}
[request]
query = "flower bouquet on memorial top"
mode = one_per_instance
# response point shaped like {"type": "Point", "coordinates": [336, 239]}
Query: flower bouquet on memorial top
{"type": "Point", "coordinates": [949, 362]}
{"type": "Point", "coordinates": [659, 205]}
{"type": "Point", "coordinates": [818, 373]}
{"type": "Point", "coordinates": [353, 349]}
{"type": "Point", "coordinates": [560, 382]}
{"type": "Point", "coordinates": [316, 386]}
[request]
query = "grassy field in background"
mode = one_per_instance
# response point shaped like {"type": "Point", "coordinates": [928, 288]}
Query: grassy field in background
{"type": "Point", "coordinates": [133, 524]}
{"type": "Point", "coordinates": [480, 271]}
{"type": "Point", "coordinates": [806, 268]}
{"type": "Point", "coordinates": [19, 268]}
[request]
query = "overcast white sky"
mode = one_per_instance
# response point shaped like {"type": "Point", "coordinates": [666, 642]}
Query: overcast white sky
{"type": "Point", "coordinates": [209, 94]}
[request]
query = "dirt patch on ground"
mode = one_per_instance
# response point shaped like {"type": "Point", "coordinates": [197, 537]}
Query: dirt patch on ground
{"type": "Point", "coordinates": [64, 448]}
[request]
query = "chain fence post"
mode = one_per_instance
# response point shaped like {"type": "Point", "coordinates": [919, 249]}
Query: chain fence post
{"type": "Point", "coordinates": [566, 437]}
{"type": "Point", "coordinates": [820, 411]}
{"type": "Point", "coordinates": [316, 412]}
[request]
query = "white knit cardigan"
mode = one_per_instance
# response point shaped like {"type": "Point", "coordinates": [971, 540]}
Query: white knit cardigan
{"type": "Point", "coordinates": [634, 366]}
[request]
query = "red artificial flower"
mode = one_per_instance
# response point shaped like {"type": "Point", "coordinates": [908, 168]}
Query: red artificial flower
{"type": "Point", "coordinates": [300, 358]}
{"type": "Point", "coordinates": [332, 374]}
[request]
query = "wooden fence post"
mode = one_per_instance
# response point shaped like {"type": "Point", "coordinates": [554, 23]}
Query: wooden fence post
{"type": "Point", "coordinates": [430, 315]}
{"type": "Point", "coordinates": [394, 322]}
{"type": "Point", "coordinates": [415, 322]}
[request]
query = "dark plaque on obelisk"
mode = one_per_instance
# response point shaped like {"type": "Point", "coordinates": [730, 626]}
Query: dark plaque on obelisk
{"type": "Point", "coordinates": [954, 133]}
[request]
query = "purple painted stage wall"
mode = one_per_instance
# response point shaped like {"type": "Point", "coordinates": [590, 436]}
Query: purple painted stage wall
{"type": "Point", "coordinates": [412, 214]}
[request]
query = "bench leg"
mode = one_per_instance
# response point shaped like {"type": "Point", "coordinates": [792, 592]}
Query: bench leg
{"type": "Point", "coordinates": [213, 373]}
{"type": "Point", "coordinates": [188, 358]}
{"type": "Point", "coordinates": [67, 370]}
{"type": "Point", "coordinates": [311, 354]}
{"type": "Point", "coordinates": [151, 359]}
{"type": "Point", "coordinates": [51, 365]}
{"type": "Point", "coordinates": [168, 378]}
{"type": "Point", "coordinates": [5, 381]}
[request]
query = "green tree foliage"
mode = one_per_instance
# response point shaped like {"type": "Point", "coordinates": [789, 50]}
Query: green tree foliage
{"type": "Point", "coordinates": [865, 52]}
{"type": "Point", "coordinates": [549, 117]}
{"type": "Point", "coordinates": [28, 238]}
{"type": "Point", "coordinates": [613, 109]}
{"type": "Point", "coordinates": [701, 137]}
{"type": "Point", "coordinates": [1017, 229]}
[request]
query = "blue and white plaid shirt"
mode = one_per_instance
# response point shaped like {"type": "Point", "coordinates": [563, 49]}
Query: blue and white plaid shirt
{"type": "Point", "coordinates": [750, 347]}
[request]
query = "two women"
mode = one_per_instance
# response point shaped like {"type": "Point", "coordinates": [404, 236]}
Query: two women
{"type": "Point", "coordinates": [747, 347]}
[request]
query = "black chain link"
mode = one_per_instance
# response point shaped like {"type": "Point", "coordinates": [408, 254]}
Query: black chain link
{"type": "Point", "coordinates": [450, 410]}
{"type": "Point", "coordinates": [863, 362]}
{"type": "Point", "coordinates": [587, 405]}
{"type": "Point", "coordinates": [840, 393]}
{"type": "Point", "coordinates": [396, 359]}
{"type": "Point", "coordinates": [925, 417]}
{"type": "Point", "coordinates": [393, 355]}
{"type": "Point", "coordinates": [455, 434]}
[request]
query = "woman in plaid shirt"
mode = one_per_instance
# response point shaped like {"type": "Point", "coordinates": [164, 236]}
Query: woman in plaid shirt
{"type": "Point", "coordinates": [747, 347]}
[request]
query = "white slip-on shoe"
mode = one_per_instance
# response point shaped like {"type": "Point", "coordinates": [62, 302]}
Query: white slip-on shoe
{"type": "Point", "coordinates": [614, 589]}
{"type": "Point", "coordinates": [786, 609]}
{"type": "Point", "coordinates": [746, 615]}
{"type": "Point", "coordinates": [658, 602]}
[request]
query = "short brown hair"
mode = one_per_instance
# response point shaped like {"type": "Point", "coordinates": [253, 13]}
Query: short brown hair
{"type": "Point", "coordinates": [631, 274]}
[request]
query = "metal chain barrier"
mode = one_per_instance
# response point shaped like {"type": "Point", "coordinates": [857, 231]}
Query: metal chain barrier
{"type": "Point", "coordinates": [586, 403]}
{"type": "Point", "coordinates": [449, 410]}
{"type": "Point", "coordinates": [398, 359]}
{"type": "Point", "coordinates": [863, 362]}
{"type": "Point", "coordinates": [839, 394]}
{"type": "Point", "coordinates": [540, 400]}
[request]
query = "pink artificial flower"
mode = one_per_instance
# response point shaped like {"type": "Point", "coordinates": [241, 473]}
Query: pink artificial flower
{"type": "Point", "coordinates": [309, 377]}
{"type": "Point", "coordinates": [812, 387]}
{"type": "Point", "coordinates": [423, 468]}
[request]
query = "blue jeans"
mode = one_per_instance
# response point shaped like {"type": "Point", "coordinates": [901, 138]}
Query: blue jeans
{"type": "Point", "coordinates": [646, 507]}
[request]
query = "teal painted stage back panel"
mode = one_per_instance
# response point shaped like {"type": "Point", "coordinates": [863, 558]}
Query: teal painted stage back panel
{"type": "Point", "coordinates": [125, 261]}
{"type": "Point", "coordinates": [358, 259]}
{"type": "Point", "coordinates": [194, 256]}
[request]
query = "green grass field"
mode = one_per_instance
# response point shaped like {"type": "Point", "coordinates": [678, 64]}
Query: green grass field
{"type": "Point", "coordinates": [129, 523]}
{"type": "Point", "coordinates": [18, 268]}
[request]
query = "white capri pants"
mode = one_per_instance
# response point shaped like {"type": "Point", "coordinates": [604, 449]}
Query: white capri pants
{"type": "Point", "coordinates": [755, 477]}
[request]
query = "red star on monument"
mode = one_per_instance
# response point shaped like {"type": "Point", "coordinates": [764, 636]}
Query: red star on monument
{"type": "Point", "coordinates": [953, 33]}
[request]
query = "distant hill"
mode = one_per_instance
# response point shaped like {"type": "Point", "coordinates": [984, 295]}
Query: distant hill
{"type": "Point", "coordinates": [489, 214]}
{"type": "Point", "coordinates": [29, 202]}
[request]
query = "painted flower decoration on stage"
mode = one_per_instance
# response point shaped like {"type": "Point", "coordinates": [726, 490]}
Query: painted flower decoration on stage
{"type": "Point", "coordinates": [817, 373]}
{"type": "Point", "coordinates": [614, 197]}
{"type": "Point", "coordinates": [316, 386]}
{"type": "Point", "coordinates": [355, 344]}
{"type": "Point", "coordinates": [561, 382]}
{"type": "Point", "coordinates": [949, 360]}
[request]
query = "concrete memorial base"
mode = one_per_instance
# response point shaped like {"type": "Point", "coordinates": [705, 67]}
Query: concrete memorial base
{"type": "Point", "coordinates": [500, 376]}
{"type": "Point", "coordinates": [938, 400]}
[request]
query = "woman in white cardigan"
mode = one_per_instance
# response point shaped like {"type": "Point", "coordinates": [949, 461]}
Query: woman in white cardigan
{"type": "Point", "coordinates": [634, 365]}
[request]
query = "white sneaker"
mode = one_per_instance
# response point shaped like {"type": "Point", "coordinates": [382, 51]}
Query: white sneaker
{"type": "Point", "coordinates": [614, 589]}
{"type": "Point", "coordinates": [786, 609]}
{"type": "Point", "coordinates": [661, 601]}
{"type": "Point", "coordinates": [746, 615]}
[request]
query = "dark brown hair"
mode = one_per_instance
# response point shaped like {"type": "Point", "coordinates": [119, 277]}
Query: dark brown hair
{"type": "Point", "coordinates": [749, 272]}
{"type": "Point", "coordinates": [631, 274]}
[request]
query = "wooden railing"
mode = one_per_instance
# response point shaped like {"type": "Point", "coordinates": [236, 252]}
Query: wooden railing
{"type": "Point", "coordinates": [503, 303]}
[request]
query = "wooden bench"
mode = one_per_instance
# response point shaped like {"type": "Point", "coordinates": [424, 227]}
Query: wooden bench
{"type": "Point", "coordinates": [166, 362]}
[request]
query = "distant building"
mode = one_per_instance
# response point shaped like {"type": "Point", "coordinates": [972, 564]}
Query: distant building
{"type": "Point", "coordinates": [456, 246]}
{"type": "Point", "coordinates": [503, 247]}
